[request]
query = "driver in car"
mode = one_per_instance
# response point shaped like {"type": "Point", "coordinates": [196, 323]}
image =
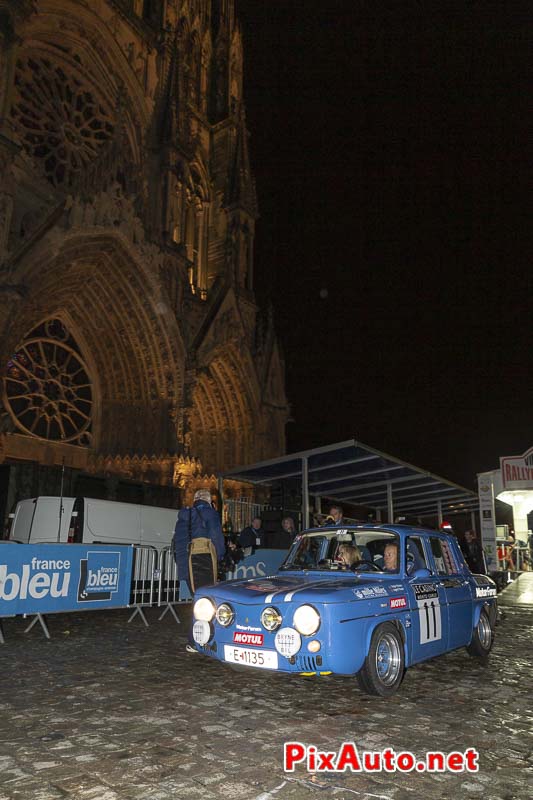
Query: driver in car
{"type": "Point", "coordinates": [390, 557]}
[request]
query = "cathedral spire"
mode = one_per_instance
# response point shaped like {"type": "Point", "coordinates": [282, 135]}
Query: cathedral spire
{"type": "Point", "coordinates": [241, 190]}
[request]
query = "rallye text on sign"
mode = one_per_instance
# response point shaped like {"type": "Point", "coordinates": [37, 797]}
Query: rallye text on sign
{"type": "Point", "coordinates": [364, 600]}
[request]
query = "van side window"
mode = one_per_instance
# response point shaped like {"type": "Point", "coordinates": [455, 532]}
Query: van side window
{"type": "Point", "coordinates": [443, 557]}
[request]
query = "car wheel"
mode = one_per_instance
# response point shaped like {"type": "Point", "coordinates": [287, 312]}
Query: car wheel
{"type": "Point", "coordinates": [384, 665]}
{"type": "Point", "coordinates": [482, 637]}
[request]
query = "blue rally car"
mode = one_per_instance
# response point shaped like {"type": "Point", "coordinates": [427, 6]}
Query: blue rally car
{"type": "Point", "coordinates": [364, 600]}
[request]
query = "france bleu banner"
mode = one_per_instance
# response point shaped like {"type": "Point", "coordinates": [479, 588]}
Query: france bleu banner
{"type": "Point", "coordinates": [45, 578]}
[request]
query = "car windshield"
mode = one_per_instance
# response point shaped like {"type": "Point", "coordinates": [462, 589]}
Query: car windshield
{"type": "Point", "coordinates": [345, 550]}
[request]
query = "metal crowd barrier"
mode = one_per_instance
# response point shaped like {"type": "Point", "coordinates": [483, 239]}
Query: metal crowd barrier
{"type": "Point", "coordinates": [144, 579]}
{"type": "Point", "coordinates": [155, 581]}
{"type": "Point", "coordinates": [519, 555]}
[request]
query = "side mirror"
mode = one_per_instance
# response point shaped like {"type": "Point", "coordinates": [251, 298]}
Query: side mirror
{"type": "Point", "coordinates": [420, 573]}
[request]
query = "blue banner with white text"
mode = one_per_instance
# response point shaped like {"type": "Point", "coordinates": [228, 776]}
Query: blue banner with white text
{"type": "Point", "coordinates": [46, 578]}
{"type": "Point", "coordinates": [263, 562]}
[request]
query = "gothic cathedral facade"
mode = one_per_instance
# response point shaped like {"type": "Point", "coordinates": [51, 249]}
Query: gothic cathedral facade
{"type": "Point", "coordinates": [131, 343]}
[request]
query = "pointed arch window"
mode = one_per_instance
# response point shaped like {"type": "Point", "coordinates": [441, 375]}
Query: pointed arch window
{"type": "Point", "coordinates": [204, 78]}
{"type": "Point", "coordinates": [196, 225]}
{"type": "Point", "coordinates": [193, 70]}
{"type": "Point", "coordinates": [47, 388]}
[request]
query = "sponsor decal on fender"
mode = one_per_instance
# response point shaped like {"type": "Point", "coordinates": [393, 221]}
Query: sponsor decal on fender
{"type": "Point", "coordinates": [394, 588]}
{"type": "Point", "coordinates": [368, 592]}
{"type": "Point", "coordinates": [398, 602]}
{"type": "Point", "coordinates": [485, 591]}
{"type": "Point", "coordinates": [248, 638]}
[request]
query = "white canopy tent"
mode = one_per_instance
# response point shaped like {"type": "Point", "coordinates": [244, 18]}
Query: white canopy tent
{"type": "Point", "coordinates": [353, 472]}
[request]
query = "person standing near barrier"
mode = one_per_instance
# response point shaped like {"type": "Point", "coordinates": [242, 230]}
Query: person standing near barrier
{"type": "Point", "coordinates": [252, 537]}
{"type": "Point", "coordinates": [283, 538]}
{"type": "Point", "coordinates": [474, 553]}
{"type": "Point", "coordinates": [232, 557]}
{"type": "Point", "coordinates": [198, 542]}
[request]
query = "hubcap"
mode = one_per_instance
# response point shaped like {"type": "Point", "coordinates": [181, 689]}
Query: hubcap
{"type": "Point", "coordinates": [388, 659]}
{"type": "Point", "coordinates": [484, 631]}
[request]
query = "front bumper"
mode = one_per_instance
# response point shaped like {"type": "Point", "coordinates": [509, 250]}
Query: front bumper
{"type": "Point", "coordinates": [342, 645]}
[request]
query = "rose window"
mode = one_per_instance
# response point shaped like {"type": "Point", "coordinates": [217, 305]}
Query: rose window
{"type": "Point", "coordinates": [61, 122]}
{"type": "Point", "coordinates": [47, 386]}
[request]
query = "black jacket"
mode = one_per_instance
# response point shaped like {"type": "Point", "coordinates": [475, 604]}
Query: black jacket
{"type": "Point", "coordinates": [248, 538]}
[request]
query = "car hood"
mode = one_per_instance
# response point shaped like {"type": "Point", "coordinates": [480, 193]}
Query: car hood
{"type": "Point", "coordinates": [303, 588]}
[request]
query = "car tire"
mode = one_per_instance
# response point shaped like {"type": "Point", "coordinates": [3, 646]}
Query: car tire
{"type": "Point", "coordinates": [482, 637]}
{"type": "Point", "coordinates": [384, 666]}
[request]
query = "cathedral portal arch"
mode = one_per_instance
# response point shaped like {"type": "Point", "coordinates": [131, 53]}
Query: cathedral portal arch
{"type": "Point", "coordinates": [225, 411]}
{"type": "Point", "coordinates": [130, 338]}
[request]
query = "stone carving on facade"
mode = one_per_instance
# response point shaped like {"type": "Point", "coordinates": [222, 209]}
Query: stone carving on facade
{"type": "Point", "coordinates": [110, 209]}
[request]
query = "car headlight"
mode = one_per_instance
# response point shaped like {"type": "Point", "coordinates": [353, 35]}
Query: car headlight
{"type": "Point", "coordinates": [204, 609]}
{"type": "Point", "coordinates": [271, 618]}
{"type": "Point", "coordinates": [225, 615]}
{"type": "Point", "coordinates": [306, 620]}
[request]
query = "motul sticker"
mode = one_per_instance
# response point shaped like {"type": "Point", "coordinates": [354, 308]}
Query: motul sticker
{"type": "Point", "coordinates": [398, 602]}
{"type": "Point", "coordinates": [239, 637]}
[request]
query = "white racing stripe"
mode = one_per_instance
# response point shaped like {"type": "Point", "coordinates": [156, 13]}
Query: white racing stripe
{"type": "Point", "coordinates": [288, 597]}
{"type": "Point", "coordinates": [269, 597]}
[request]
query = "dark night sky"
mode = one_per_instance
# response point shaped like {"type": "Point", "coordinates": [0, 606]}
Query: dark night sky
{"type": "Point", "coordinates": [390, 147]}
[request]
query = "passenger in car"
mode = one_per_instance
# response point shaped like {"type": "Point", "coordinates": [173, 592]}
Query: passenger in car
{"type": "Point", "coordinates": [349, 555]}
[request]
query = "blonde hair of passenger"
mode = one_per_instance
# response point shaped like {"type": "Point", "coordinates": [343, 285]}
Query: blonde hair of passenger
{"type": "Point", "coordinates": [350, 554]}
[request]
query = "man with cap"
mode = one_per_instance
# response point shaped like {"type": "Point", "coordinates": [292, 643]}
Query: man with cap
{"type": "Point", "coordinates": [335, 517]}
{"type": "Point", "coordinates": [196, 527]}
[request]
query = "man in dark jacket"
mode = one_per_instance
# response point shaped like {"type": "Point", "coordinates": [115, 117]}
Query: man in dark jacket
{"type": "Point", "coordinates": [200, 520]}
{"type": "Point", "coordinates": [252, 537]}
{"type": "Point", "coordinates": [283, 539]}
{"type": "Point", "coordinates": [474, 554]}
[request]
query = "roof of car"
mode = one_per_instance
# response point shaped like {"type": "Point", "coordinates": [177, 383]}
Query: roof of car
{"type": "Point", "coordinates": [396, 527]}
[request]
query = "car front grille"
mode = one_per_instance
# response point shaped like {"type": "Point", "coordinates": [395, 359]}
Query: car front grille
{"type": "Point", "coordinates": [307, 663]}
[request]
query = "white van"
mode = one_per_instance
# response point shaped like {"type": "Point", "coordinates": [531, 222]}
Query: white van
{"type": "Point", "coordinates": [88, 521]}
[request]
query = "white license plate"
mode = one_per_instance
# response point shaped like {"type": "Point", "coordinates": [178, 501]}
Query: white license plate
{"type": "Point", "coordinates": [267, 659]}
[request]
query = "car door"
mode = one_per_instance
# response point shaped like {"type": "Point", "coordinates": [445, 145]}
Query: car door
{"type": "Point", "coordinates": [429, 609]}
{"type": "Point", "coordinates": [457, 588]}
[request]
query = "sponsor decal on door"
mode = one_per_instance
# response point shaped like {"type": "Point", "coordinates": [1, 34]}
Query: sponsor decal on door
{"type": "Point", "coordinates": [427, 600]}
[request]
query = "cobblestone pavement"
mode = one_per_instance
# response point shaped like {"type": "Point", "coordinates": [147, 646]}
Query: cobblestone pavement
{"type": "Point", "coordinates": [111, 711]}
